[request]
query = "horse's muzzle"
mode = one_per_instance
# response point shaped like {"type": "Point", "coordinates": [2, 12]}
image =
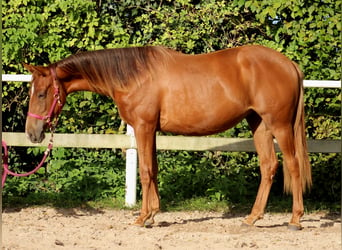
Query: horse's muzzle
{"type": "Point", "coordinates": [36, 138]}
{"type": "Point", "coordinates": [35, 132]}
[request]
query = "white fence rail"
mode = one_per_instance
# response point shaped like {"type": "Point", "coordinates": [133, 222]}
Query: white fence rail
{"type": "Point", "coordinates": [307, 83]}
{"type": "Point", "coordinates": [163, 142]}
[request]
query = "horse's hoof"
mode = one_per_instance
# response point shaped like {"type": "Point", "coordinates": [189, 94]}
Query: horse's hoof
{"type": "Point", "coordinates": [148, 223]}
{"type": "Point", "coordinates": [294, 227]}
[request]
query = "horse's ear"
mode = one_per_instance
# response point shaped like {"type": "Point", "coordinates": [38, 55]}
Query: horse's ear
{"type": "Point", "coordinates": [44, 71]}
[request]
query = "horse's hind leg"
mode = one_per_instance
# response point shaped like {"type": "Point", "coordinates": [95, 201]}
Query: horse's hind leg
{"type": "Point", "coordinates": [263, 140]}
{"type": "Point", "coordinates": [285, 139]}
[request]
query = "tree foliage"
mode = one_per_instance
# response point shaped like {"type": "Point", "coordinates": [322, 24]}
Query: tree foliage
{"type": "Point", "coordinates": [41, 32]}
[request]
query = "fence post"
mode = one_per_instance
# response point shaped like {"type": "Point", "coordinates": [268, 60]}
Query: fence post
{"type": "Point", "coordinates": [131, 170]}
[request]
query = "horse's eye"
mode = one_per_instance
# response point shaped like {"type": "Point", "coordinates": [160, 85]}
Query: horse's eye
{"type": "Point", "coordinates": [41, 95]}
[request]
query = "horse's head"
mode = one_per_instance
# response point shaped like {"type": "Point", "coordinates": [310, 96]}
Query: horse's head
{"type": "Point", "coordinates": [46, 100]}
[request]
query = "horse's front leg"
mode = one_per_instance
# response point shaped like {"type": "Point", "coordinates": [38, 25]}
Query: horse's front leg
{"type": "Point", "coordinates": [148, 170]}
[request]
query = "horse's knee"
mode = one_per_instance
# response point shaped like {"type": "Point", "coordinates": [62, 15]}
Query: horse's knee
{"type": "Point", "coordinates": [268, 169]}
{"type": "Point", "coordinates": [145, 176]}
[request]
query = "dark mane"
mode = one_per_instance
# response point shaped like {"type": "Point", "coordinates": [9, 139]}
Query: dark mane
{"type": "Point", "coordinates": [113, 68]}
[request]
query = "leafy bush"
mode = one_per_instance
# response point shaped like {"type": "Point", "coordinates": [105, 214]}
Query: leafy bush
{"type": "Point", "coordinates": [41, 32]}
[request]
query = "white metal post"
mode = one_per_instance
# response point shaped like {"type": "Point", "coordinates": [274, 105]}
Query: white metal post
{"type": "Point", "coordinates": [131, 170]}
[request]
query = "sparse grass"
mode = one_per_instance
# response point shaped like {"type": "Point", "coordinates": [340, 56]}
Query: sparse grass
{"type": "Point", "coordinates": [275, 204]}
{"type": "Point", "coordinates": [198, 204]}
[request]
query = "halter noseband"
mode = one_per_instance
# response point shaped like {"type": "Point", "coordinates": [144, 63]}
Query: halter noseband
{"type": "Point", "coordinates": [56, 100]}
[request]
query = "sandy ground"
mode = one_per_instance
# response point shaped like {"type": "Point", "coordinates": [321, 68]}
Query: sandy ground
{"type": "Point", "coordinates": [50, 228]}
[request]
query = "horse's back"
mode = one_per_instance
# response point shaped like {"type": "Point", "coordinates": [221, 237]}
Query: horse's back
{"type": "Point", "coordinates": [246, 67]}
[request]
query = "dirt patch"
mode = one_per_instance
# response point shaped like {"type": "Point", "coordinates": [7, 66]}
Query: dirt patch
{"type": "Point", "coordinates": [50, 228]}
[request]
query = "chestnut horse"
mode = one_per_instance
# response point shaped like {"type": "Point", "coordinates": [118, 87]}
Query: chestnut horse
{"type": "Point", "coordinates": [158, 89]}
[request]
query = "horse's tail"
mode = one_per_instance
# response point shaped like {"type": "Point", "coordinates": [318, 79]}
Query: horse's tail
{"type": "Point", "coordinates": [300, 142]}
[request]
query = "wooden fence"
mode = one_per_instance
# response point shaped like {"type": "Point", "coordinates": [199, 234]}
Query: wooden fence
{"type": "Point", "coordinates": [189, 143]}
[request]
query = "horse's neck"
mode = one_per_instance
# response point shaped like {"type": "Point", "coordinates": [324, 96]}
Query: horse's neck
{"type": "Point", "coordinates": [77, 85]}
{"type": "Point", "coordinates": [83, 85]}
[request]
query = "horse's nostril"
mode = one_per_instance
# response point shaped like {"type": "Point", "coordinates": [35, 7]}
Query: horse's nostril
{"type": "Point", "coordinates": [42, 137]}
{"type": "Point", "coordinates": [34, 138]}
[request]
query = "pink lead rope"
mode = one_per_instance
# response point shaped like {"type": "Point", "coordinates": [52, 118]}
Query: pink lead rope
{"type": "Point", "coordinates": [6, 171]}
{"type": "Point", "coordinates": [52, 127]}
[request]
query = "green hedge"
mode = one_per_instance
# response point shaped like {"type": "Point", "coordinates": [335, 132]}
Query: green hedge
{"type": "Point", "coordinates": [41, 32]}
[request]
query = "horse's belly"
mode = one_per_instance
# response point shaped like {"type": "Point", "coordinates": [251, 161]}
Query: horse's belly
{"type": "Point", "coordinates": [204, 123]}
{"type": "Point", "coordinates": [206, 104]}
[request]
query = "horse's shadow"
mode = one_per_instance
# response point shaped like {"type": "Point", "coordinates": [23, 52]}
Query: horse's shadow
{"type": "Point", "coordinates": [199, 220]}
{"type": "Point", "coordinates": [328, 220]}
{"type": "Point", "coordinates": [186, 221]}
{"type": "Point", "coordinates": [85, 210]}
